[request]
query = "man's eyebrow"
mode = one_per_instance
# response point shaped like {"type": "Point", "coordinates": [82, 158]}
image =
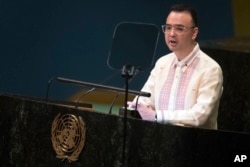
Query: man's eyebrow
{"type": "Point", "coordinates": [175, 25]}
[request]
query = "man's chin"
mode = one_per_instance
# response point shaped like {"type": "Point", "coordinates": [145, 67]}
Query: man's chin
{"type": "Point", "coordinates": [172, 49]}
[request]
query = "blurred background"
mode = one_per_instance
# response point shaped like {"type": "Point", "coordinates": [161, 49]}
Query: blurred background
{"type": "Point", "coordinates": [40, 40]}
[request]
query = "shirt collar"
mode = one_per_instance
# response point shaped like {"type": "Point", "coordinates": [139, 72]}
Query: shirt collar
{"type": "Point", "coordinates": [186, 62]}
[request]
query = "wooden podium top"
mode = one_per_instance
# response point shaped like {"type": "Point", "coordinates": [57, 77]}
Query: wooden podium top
{"type": "Point", "coordinates": [100, 96]}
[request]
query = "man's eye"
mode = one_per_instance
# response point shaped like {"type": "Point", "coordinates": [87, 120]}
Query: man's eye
{"type": "Point", "coordinates": [178, 28]}
{"type": "Point", "coordinates": [168, 27]}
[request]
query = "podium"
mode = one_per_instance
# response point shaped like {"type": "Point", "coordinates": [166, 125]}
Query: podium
{"type": "Point", "coordinates": [28, 138]}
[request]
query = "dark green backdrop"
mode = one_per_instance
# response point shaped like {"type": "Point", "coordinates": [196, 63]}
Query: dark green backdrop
{"type": "Point", "coordinates": [50, 38]}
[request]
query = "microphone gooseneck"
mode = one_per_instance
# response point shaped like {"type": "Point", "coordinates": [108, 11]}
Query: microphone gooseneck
{"type": "Point", "coordinates": [83, 95]}
{"type": "Point", "coordinates": [48, 88]}
{"type": "Point", "coordinates": [93, 88]}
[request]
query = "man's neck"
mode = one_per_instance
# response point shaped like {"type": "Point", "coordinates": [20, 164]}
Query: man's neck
{"type": "Point", "coordinates": [183, 54]}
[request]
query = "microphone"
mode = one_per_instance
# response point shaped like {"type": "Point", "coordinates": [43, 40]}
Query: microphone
{"type": "Point", "coordinates": [92, 89]}
{"type": "Point", "coordinates": [70, 81]}
{"type": "Point", "coordinates": [48, 87]}
{"type": "Point", "coordinates": [137, 71]}
{"type": "Point", "coordinates": [93, 85]}
{"type": "Point", "coordinates": [113, 102]}
{"type": "Point", "coordinates": [83, 95]}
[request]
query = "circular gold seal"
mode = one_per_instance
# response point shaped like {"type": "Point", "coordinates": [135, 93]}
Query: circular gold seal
{"type": "Point", "coordinates": [68, 136]}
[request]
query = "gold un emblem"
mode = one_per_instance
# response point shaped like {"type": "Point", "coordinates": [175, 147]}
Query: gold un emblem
{"type": "Point", "coordinates": [68, 136]}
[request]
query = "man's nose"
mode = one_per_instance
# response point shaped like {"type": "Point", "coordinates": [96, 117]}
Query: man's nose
{"type": "Point", "coordinates": [172, 31]}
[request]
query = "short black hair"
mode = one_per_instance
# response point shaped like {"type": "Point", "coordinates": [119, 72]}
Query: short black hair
{"type": "Point", "coordinates": [189, 9]}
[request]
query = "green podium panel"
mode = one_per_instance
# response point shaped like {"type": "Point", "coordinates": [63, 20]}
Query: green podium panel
{"type": "Point", "coordinates": [39, 134]}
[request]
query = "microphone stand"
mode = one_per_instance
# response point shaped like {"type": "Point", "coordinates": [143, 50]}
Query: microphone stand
{"type": "Point", "coordinates": [128, 72]}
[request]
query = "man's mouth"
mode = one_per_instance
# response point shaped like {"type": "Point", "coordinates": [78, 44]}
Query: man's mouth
{"type": "Point", "coordinates": [172, 41]}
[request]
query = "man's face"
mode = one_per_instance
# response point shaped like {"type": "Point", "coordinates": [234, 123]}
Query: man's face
{"type": "Point", "coordinates": [177, 40]}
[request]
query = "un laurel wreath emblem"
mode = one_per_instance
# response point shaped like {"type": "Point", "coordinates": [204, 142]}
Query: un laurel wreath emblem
{"type": "Point", "coordinates": [68, 136]}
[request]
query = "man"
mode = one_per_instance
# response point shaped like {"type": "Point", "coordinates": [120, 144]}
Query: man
{"type": "Point", "coordinates": [185, 85]}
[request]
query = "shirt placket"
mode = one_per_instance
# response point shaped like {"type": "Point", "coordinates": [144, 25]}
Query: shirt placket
{"type": "Point", "coordinates": [175, 87]}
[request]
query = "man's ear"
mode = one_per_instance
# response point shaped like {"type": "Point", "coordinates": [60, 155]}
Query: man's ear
{"type": "Point", "coordinates": [195, 33]}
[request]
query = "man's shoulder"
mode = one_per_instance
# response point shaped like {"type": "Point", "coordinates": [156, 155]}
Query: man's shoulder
{"type": "Point", "coordinates": [206, 57]}
{"type": "Point", "coordinates": [208, 61]}
{"type": "Point", "coordinates": [166, 58]}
